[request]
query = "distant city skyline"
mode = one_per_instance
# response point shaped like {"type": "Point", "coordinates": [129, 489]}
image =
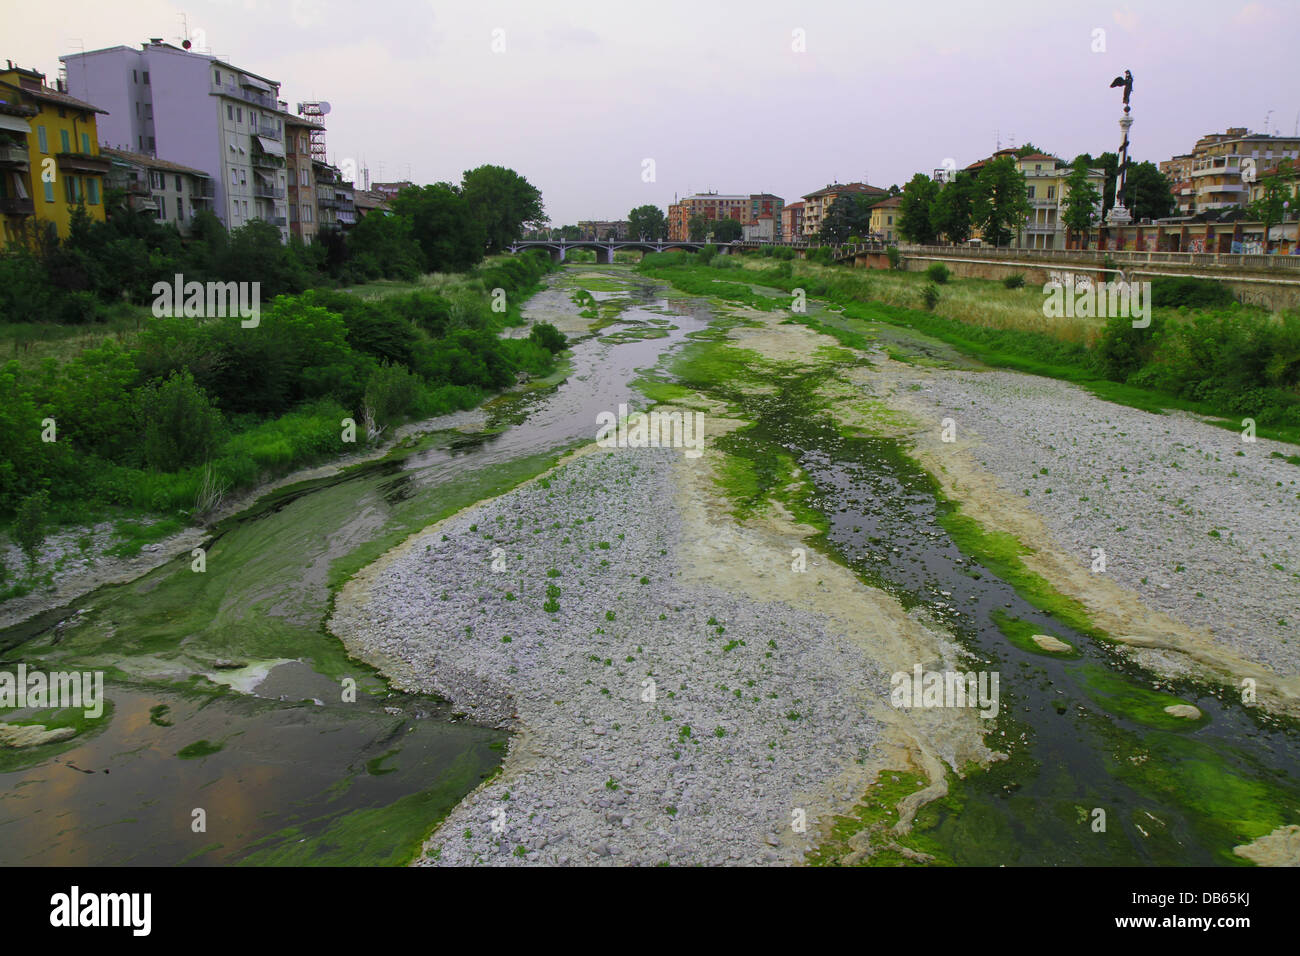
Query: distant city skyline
{"type": "Point", "coordinates": [772, 97]}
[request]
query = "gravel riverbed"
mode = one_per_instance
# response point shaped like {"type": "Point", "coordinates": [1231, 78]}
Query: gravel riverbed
{"type": "Point", "coordinates": [754, 709]}
{"type": "Point", "coordinates": [1199, 523]}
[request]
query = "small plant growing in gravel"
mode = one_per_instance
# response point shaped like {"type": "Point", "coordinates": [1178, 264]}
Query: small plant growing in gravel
{"type": "Point", "coordinates": [609, 615]}
{"type": "Point", "coordinates": [610, 784]}
{"type": "Point", "coordinates": [520, 851]}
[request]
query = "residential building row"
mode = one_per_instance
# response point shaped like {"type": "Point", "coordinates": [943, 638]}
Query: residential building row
{"type": "Point", "coordinates": [759, 214]}
{"type": "Point", "coordinates": [50, 162]}
{"type": "Point", "coordinates": [181, 132]}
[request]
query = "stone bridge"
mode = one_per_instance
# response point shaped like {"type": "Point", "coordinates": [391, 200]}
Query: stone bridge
{"type": "Point", "coordinates": [605, 248]}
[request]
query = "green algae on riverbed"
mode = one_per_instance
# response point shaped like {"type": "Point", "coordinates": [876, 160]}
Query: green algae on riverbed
{"type": "Point", "coordinates": [1085, 741]}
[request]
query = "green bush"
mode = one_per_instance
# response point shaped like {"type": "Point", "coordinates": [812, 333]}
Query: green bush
{"type": "Point", "coordinates": [822, 255]}
{"type": "Point", "coordinates": [1016, 281]}
{"type": "Point", "coordinates": [706, 254]}
{"type": "Point", "coordinates": [393, 393]}
{"type": "Point", "coordinates": [548, 337]}
{"type": "Point", "coordinates": [895, 257]}
{"type": "Point", "coordinates": [1189, 292]}
{"type": "Point", "coordinates": [29, 524]}
{"type": "Point", "coordinates": [178, 422]}
{"type": "Point", "coordinates": [938, 273]}
{"type": "Point", "coordinates": [930, 296]}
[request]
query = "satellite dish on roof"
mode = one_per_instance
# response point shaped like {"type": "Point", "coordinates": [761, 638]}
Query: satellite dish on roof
{"type": "Point", "coordinates": [324, 107]}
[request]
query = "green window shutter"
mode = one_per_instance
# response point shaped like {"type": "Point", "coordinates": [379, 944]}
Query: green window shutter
{"type": "Point", "coordinates": [49, 192]}
{"type": "Point", "coordinates": [92, 186]}
{"type": "Point", "coordinates": [85, 143]}
{"type": "Point", "coordinates": [63, 138]}
{"type": "Point", "coordinates": [40, 136]}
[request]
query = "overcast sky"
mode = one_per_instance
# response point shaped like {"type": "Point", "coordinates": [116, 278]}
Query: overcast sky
{"type": "Point", "coordinates": [577, 95]}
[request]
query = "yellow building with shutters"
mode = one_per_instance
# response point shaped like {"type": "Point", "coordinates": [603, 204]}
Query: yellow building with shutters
{"type": "Point", "coordinates": [49, 157]}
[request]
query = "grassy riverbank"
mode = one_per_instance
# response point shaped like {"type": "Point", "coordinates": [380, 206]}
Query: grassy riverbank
{"type": "Point", "coordinates": [150, 429]}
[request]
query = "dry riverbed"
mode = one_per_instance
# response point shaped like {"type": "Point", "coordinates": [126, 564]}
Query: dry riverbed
{"type": "Point", "coordinates": [1200, 530]}
{"type": "Point", "coordinates": [769, 693]}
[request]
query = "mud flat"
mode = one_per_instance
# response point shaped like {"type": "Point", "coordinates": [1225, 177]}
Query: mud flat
{"type": "Point", "coordinates": [1201, 531]}
{"type": "Point", "coordinates": [770, 688]}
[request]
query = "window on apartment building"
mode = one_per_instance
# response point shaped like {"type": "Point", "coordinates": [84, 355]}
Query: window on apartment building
{"type": "Point", "coordinates": [217, 74]}
{"type": "Point", "coordinates": [148, 111]}
{"type": "Point", "coordinates": [234, 176]}
{"type": "Point", "coordinates": [85, 143]}
{"type": "Point", "coordinates": [180, 208]}
{"type": "Point", "coordinates": [40, 138]}
{"type": "Point", "coordinates": [293, 176]}
{"type": "Point", "coordinates": [1030, 191]}
{"type": "Point", "coordinates": [135, 77]}
{"type": "Point", "coordinates": [146, 77]}
{"type": "Point", "coordinates": [230, 112]}
{"type": "Point", "coordinates": [1051, 192]}
{"type": "Point", "coordinates": [92, 191]}
{"type": "Point", "coordinates": [179, 188]}
{"type": "Point", "coordinates": [306, 213]}
{"type": "Point", "coordinates": [137, 110]}
{"type": "Point", "coordinates": [245, 208]}
{"type": "Point", "coordinates": [239, 114]}
{"type": "Point", "coordinates": [49, 192]}
{"type": "Point", "coordinates": [70, 188]}
{"type": "Point", "coordinates": [162, 207]}
{"type": "Point", "coordinates": [139, 140]}
{"type": "Point", "coordinates": [153, 145]}
{"type": "Point", "coordinates": [64, 141]}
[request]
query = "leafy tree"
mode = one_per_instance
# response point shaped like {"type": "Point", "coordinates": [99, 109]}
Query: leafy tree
{"type": "Point", "coordinates": [1081, 201]}
{"type": "Point", "coordinates": [1149, 193]}
{"type": "Point", "coordinates": [504, 202]}
{"type": "Point", "coordinates": [1001, 203]}
{"type": "Point", "coordinates": [1278, 189]}
{"type": "Point", "coordinates": [952, 213]}
{"type": "Point", "coordinates": [382, 245]}
{"type": "Point", "coordinates": [697, 227]}
{"type": "Point", "coordinates": [914, 219]}
{"type": "Point", "coordinates": [849, 215]}
{"type": "Point", "coordinates": [647, 222]}
{"type": "Point", "coordinates": [1109, 164]}
{"type": "Point", "coordinates": [726, 230]}
{"type": "Point", "coordinates": [450, 237]}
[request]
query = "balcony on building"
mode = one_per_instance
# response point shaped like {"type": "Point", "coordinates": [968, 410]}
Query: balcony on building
{"type": "Point", "coordinates": [16, 206]}
{"type": "Point", "coordinates": [83, 163]}
{"type": "Point", "coordinates": [13, 154]}
{"type": "Point", "coordinates": [267, 161]}
{"type": "Point", "coordinates": [203, 189]}
{"type": "Point", "coordinates": [268, 191]}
